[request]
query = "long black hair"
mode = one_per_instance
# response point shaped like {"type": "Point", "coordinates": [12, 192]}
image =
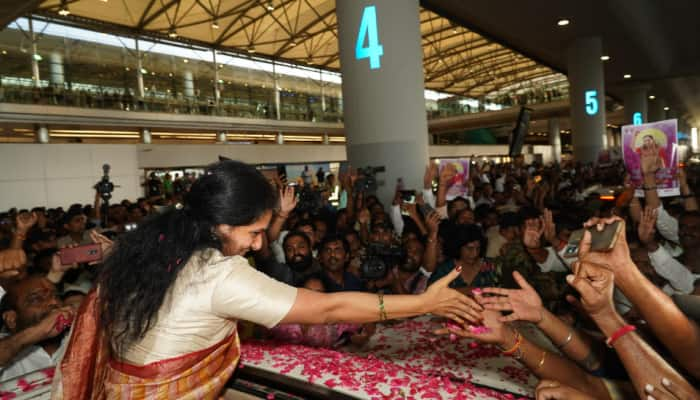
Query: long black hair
{"type": "Point", "coordinates": [145, 262]}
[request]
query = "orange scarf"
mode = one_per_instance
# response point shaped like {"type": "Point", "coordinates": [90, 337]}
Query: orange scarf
{"type": "Point", "coordinates": [88, 371]}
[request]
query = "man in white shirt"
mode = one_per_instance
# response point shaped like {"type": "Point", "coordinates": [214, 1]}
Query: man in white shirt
{"type": "Point", "coordinates": [33, 314]}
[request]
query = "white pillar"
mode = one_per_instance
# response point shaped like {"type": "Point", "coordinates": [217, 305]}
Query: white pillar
{"type": "Point", "coordinates": [635, 99]}
{"type": "Point", "coordinates": [217, 88]}
{"type": "Point", "coordinates": [280, 138]}
{"type": "Point", "coordinates": [385, 119]}
{"type": "Point", "coordinates": [56, 74]}
{"type": "Point", "coordinates": [276, 88]}
{"type": "Point", "coordinates": [587, 97]}
{"type": "Point", "coordinates": [146, 136]}
{"type": "Point", "coordinates": [555, 139]}
{"type": "Point", "coordinates": [694, 139]}
{"type": "Point", "coordinates": [35, 55]}
{"type": "Point", "coordinates": [42, 134]}
{"type": "Point", "coordinates": [188, 84]}
{"type": "Point", "coordinates": [139, 74]}
{"type": "Point", "coordinates": [326, 139]}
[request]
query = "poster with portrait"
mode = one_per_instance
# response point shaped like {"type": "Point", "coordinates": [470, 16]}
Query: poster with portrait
{"type": "Point", "coordinates": [657, 143]}
{"type": "Point", "coordinates": [459, 183]}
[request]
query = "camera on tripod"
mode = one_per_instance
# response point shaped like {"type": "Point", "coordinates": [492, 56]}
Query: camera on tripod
{"type": "Point", "coordinates": [104, 187]}
{"type": "Point", "coordinates": [379, 258]}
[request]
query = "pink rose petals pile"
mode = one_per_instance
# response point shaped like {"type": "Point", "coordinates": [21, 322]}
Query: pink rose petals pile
{"type": "Point", "coordinates": [404, 361]}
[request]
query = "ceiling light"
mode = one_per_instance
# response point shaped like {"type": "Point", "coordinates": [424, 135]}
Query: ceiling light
{"type": "Point", "coordinates": [454, 30]}
{"type": "Point", "coordinates": [270, 6]}
{"type": "Point", "coordinates": [172, 34]}
{"type": "Point", "coordinates": [215, 24]}
{"type": "Point", "coordinates": [627, 76]}
{"type": "Point", "coordinates": [666, 108]}
{"type": "Point", "coordinates": [4, 52]}
{"type": "Point", "coordinates": [293, 43]}
{"type": "Point", "coordinates": [170, 74]}
{"type": "Point", "coordinates": [652, 97]}
{"type": "Point", "coordinates": [563, 22]}
{"type": "Point", "coordinates": [144, 71]}
{"type": "Point", "coordinates": [153, 73]}
{"type": "Point", "coordinates": [63, 10]}
{"type": "Point", "coordinates": [37, 57]}
{"type": "Point", "coordinates": [251, 49]}
{"type": "Point", "coordinates": [127, 69]}
{"type": "Point", "coordinates": [604, 58]}
{"type": "Point", "coordinates": [185, 61]}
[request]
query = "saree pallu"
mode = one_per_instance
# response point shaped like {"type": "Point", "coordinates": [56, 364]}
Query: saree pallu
{"type": "Point", "coordinates": [88, 371]}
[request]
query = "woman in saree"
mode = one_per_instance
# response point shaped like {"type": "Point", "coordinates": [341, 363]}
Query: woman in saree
{"type": "Point", "coordinates": [162, 322]}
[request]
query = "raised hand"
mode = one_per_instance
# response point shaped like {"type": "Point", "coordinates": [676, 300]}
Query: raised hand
{"type": "Point", "coordinates": [492, 331]}
{"type": "Point", "coordinates": [618, 259]}
{"type": "Point", "coordinates": [595, 284]}
{"type": "Point", "coordinates": [525, 303]}
{"type": "Point", "coordinates": [647, 226]}
{"type": "Point", "coordinates": [11, 262]}
{"type": "Point", "coordinates": [105, 243]}
{"type": "Point", "coordinates": [533, 232]}
{"type": "Point", "coordinates": [288, 200]}
{"type": "Point", "coordinates": [431, 171]}
{"type": "Point", "coordinates": [447, 175]}
{"type": "Point", "coordinates": [432, 222]}
{"type": "Point", "coordinates": [549, 228]}
{"type": "Point", "coordinates": [449, 303]}
{"type": "Point", "coordinates": [364, 216]}
{"type": "Point", "coordinates": [25, 221]}
{"type": "Point", "coordinates": [553, 390]}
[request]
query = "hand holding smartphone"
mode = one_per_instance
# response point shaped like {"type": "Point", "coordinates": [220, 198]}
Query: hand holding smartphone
{"type": "Point", "coordinates": [81, 254]}
{"type": "Point", "coordinates": [601, 241]}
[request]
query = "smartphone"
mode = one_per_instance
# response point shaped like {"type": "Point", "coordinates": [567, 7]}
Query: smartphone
{"type": "Point", "coordinates": [408, 196]}
{"type": "Point", "coordinates": [600, 240]}
{"type": "Point", "coordinates": [81, 254]}
{"type": "Point", "coordinates": [426, 209]}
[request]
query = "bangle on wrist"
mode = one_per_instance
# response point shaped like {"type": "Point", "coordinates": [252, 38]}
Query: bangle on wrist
{"type": "Point", "coordinates": [619, 333]}
{"type": "Point", "coordinates": [516, 346]}
{"type": "Point", "coordinates": [645, 187]}
{"type": "Point", "coordinates": [541, 363]}
{"type": "Point", "coordinates": [567, 340]}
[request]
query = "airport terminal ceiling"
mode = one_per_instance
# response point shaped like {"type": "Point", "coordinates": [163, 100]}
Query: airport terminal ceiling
{"type": "Point", "coordinates": [456, 60]}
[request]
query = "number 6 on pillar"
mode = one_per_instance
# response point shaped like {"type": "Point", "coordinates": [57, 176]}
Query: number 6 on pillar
{"type": "Point", "coordinates": [368, 32]}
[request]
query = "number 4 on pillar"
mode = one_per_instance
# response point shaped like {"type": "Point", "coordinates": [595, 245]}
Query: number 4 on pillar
{"type": "Point", "coordinates": [368, 32]}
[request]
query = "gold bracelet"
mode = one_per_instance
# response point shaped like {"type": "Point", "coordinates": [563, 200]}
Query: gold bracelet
{"type": "Point", "coordinates": [544, 355]}
{"type": "Point", "coordinates": [382, 311]}
{"type": "Point", "coordinates": [567, 340]}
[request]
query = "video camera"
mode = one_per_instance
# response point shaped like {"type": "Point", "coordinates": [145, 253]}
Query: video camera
{"type": "Point", "coordinates": [104, 187]}
{"type": "Point", "coordinates": [367, 179]}
{"type": "Point", "coordinates": [309, 200]}
{"type": "Point", "coordinates": [378, 259]}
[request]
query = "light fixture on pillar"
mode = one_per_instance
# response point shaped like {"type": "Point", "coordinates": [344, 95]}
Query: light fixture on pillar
{"type": "Point", "coordinates": [666, 108]}
{"type": "Point", "coordinates": [604, 58]}
{"type": "Point", "coordinates": [185, 60]}
{"type": "Point", "coordinates": [563, 22]}
{"type": "Point", "coordinates": [215, 24]}
{"type": "Point", "coordinates": [63, 9]}
{"type": "Point", "coordinates": [627, 76]}
{"type": "Point", "coordinates": [652, 97]}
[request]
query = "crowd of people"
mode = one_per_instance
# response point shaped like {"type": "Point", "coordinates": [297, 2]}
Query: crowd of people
{"type": "Point", "coordinates": [624, 318]}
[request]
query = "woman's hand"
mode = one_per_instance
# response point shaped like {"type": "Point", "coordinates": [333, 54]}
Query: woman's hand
{"type": "Point", "coordinates": [492, 331]}
{"type": "Point", "coordinates": [441, 300]}
{"type": "Point", "coordinates": [524, 303]}
{"type": "Point", "coordinates": [553, 390]}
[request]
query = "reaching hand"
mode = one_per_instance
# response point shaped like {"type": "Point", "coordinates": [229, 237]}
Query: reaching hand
{"type": "Point", "coordinates": [364, 217]}
{"type": "Point", "coordinates": [553, 390]}
{"type": "Point", "coordinates": [525, 303]}
{"type": "Point", "coordinates": [618, 259]}
{"type": "Point", "coordinates": [53, 324]}
{"type": "Point", "coordinates": [25, 221]}
{"type": "Point", "coordinates": [447, 175]}
{"type": "Point", "coordinates": [595, 284]}
{"type": "Point", "coordinates": [647, 226]}
{"type": "Point", "coordinates": [11, 262]}
{"type": "Point", "coordinates": [288, 200]}
{"type": "Point", "coordinates": [432, 222]}
{"type": "Point", "coordinates": [105, 243]}
{"type": "Point", "coordinates": [550, 229]}
{"type": "Point", "coordinates": [532, 233]}
{"type": "Point", "coordinates": [673, 391]}
{"type": "Point", "coordinates": [431, 171]}
{"type": "Point", "coordinates": [492, 331]}
{"type": "Point", "coordinates": [446, 302]}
